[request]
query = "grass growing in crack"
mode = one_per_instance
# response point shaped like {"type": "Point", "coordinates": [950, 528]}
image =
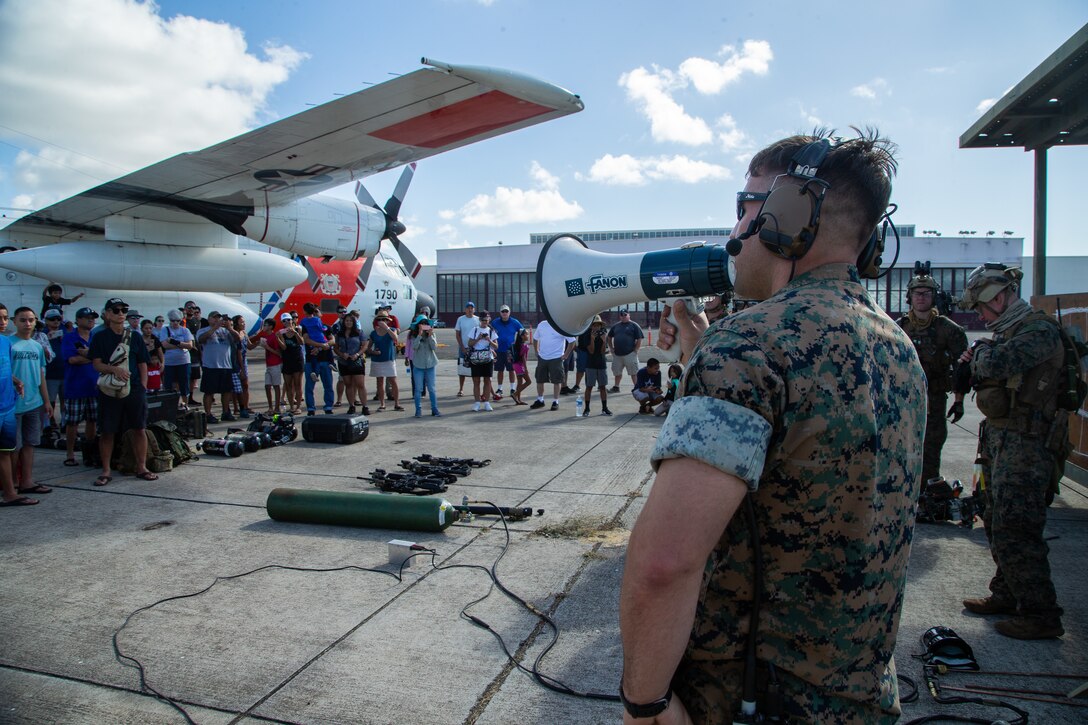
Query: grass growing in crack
{"type": "Point", "coordinates": [577, 527]}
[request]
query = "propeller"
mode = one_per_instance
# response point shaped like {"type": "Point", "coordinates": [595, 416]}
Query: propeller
{"type": "Point", "coordinates": [393, 226]}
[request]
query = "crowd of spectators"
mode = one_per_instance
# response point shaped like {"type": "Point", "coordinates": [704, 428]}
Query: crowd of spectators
{"type": "Point", "coordinates": [52, 369]}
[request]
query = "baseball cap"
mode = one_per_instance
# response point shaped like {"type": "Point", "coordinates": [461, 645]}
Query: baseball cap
{"type": "Point", "coordinates": [385, 307]}
{"type": "Point", "coordinates": [176, 315]}
{"type": "Point", "coordinates": [504, 308]}
{"type": "Point", "coordinates": [470, 303]}
{"type": "Point", "coordinates": [133, 313]}
{"type": "Point", "coordinates": [114, 302]}
{"type": "Point", "coordinates": [86, 312]}
{"type": "Point", "coordinates": [285, 317]}
{"type": "Point", "coordinates": [53, 315]}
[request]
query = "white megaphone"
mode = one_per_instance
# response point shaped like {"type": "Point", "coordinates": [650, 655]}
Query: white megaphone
{"type": "Point", "coordinates": [574, 283]}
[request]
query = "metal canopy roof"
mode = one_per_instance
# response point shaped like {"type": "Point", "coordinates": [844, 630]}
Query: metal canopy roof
{"type": "Point", "coordinates": [1048, 108]}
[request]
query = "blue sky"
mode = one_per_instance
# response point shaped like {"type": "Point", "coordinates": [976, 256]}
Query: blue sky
{"type": "Point", "coordinates": [676, 100]}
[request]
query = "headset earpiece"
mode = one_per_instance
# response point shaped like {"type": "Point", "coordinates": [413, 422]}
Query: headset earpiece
{"type": "Point", "coordinates": [869, 260]}
{"type": "Point", "coordinates": [790, 216]}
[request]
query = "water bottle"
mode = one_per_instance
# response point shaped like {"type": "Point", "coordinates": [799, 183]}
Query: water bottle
{"type": "Point", "coordinates": [579, 405]}
{"type": "Point", "coordinates": [954, 510]}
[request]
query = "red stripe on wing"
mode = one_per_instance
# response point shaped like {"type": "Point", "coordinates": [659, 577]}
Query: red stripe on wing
{"type": "Point", "coordinates": [459, 121]}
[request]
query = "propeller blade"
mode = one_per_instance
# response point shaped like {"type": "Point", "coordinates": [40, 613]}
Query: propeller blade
{"type": "Point", "coordinates": [364, 196]}
{"type": "Point", "coordinates": [364, 273]}
{"type": "Point", "coordinates": [410, 262]}
{"type": "Point", "coordinates": [392, 207]}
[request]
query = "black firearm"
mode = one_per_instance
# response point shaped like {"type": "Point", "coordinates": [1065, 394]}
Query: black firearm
{"type": "Point", "coordinates": [450, 473]}
{"type": "Point", "coordinates": [405, 483]}
{"type": "Point", "coordinates": [439, 461]}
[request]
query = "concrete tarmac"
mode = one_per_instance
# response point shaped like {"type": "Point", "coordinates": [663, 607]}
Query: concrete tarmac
{"type": "Point", "coordinates": [349, 645]}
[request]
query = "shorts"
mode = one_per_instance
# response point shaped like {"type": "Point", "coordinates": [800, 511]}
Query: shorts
{"type": "Point", "coordinates": [55, 388]}
{"type": "Point", "coordinates": [486, 370]}
{"type": "Point", "coordinates": [273, 375]}
{"type": "Point", "coordinates": [236, 382]}
{"type": "Point", "coordinates": [384, 369]}
{"type": "Point", "coordinates": [217, 380]}
{"type": "Point", "coordinates": [504, 362]}
{"type": "Point", "coordinates": [176, 376]}
{"type": "Point", "coordinates": [292, 362]}
{"type": "Point", "coordinates": [644, 396]}
{"type": "Point", "coordinates": [116, 415]}
{"type": "Point", "coordinates": [596, 377]}
{"type": "Point", "coordinates": [77, 410]}
{"type": "Point", "coordinates": [8, 435]}
{"type": "Point", "coordinates": [28, 428]}
{"type": "Point", "coordinates": [194, 371]}
{"type": "Point", "coordinates": [581, 359]}
{"type": "Point", "coordinates": [549, 371]}
{"type": "Point", "coordinates": [520, 369]}
{"type": "Point", "coordinates": [628, 362]}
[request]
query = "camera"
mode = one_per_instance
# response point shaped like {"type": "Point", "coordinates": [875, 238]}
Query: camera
{"type": "Point", "coordinates": [942, 501]}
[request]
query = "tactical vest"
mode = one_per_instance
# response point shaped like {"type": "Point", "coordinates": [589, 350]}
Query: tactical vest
{"type": "Point", "coordinates": [1029, 396]}
{"type": "Point", "coordinates": [934, 352]}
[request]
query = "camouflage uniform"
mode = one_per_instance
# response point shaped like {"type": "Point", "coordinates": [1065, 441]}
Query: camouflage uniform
{"type": "Point", "coordinates": [939, 345]}
{"type": "Point", "coordinates": [814, 398]}
{"type": "Point", "coordinates": [1017, 378]}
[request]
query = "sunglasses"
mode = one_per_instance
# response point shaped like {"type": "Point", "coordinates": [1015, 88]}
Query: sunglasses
{"type": "Point", "coordinates": [118, 310]}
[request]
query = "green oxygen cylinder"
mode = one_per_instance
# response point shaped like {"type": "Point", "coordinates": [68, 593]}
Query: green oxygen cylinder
{"type": "Point", "coordinates": [367, 510]}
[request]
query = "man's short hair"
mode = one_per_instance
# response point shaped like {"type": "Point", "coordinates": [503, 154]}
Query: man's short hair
{"type": "Point", "coordinates": [652, 361]}
{"type": "Point", "coordinates": [23, 309]}
{"type": "Point", "coordinates": [858, 170]}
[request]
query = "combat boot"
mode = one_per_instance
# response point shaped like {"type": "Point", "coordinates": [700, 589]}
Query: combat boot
{"type": "Point", "coordinates": [989, 605]}
{"type": "Point", "coordinates": [1030, 628]}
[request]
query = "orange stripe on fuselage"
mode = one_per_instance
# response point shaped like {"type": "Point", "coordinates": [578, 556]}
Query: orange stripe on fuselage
{"type": "Point", "coordinates": [331, 275]}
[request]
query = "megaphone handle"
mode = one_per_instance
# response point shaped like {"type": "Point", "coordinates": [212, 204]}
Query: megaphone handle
{"type": "Point", "coordinates": [695, 307]}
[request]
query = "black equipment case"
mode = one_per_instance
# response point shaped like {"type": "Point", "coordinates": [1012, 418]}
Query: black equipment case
{"type": "Point", "coordinates": [162, 406]}
{"type": "Point", "coordinates": [335, 428]}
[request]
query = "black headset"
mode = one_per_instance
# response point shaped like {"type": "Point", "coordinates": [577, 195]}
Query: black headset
{"type": "Point", "coordinates": [790, 215]}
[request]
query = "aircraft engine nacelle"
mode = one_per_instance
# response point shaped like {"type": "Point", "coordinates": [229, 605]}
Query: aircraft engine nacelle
{"type": "Point", "coordinates": [319, 226]}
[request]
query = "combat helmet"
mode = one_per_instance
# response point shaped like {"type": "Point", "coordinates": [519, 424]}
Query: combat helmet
{"type": "Point", "coordinates": [922, 280]}
{"type": "Point", "coordinates": [986, 281]}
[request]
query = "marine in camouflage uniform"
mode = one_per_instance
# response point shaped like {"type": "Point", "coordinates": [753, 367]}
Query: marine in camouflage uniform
{"type": "Point", "coordinates": [939, 342]}
{"type": "Point", "coordinates": [812, 400]}
{"type": "Point", "coordinates": [1022, 444]}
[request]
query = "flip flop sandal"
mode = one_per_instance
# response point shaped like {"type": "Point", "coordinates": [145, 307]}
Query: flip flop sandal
{"type": "Point", "coordinates": [38, 488]}
{"type": "Point", "coordinates": [21, 501]}
{"type": "Point", "coordinates": [147, 476]}
{"type": "Point", "coordinates": [71, 462]}
{"type": "Point", "coordinates": [102, 480]}
{"type": "Point", "coordinates": [398, 407]}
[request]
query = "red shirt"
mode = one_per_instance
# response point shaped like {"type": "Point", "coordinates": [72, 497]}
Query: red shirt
{"type": "Point", "coordinates": [271, 358]}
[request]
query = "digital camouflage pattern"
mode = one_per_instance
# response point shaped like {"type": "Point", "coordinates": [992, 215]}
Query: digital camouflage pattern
{"type": "Point", "coordinates": [1023, 450]}
{"type": "Point", "coordinates": [840, 391]}
{"type": "Point", "coordinates": [939, 345]}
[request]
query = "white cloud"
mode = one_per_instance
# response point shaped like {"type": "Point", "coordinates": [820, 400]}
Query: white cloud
{"type": "Point", "coordinates": [447, 214]}
{"type": "Point", "coordinates": [117, 81]}
{"type": "Point", "coordinates": [668, 120]}
{"type": "Point", "coordinates": [521, 206]}
{"type": "Point", "coordinates": [985, 105]}
{"type": "Point", "coordinates": [810, 118]}
{"type": "Point", "coordinates": [730, 137]}
{"type": "Point", "coordinates": [709, 77]}
{"type": "Point", "coordinates": [626, 170]}
{"type": "Point", "coordinates": [458, 245]}
{"type": "Point", "coordinates": [654, 91]}
{"type": "Point", "coordinates": [872, 89]}
{"type": "Point", "coordinates": [446, 232]}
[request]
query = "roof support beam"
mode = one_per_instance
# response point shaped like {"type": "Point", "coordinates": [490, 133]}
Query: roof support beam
{"type": "Point", "coordinates": [1039, 268]}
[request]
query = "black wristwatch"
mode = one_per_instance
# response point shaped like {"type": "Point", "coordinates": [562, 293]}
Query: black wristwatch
{"type": "Point", "coordinates": [649, 709]}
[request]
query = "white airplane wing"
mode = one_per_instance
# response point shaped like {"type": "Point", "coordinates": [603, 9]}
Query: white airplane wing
{"type": "Point", "coordinates": [411, 117]}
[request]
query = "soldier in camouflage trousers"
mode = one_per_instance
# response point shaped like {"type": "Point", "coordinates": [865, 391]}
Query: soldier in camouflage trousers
{"type": "Point", "coordinates": [1022, 442]}
{"type": "Point", "coordinates": [806, 411]}
{"type": "Point", "coordinates": [939, 342]}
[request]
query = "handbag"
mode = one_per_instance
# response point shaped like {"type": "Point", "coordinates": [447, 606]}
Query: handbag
{"type": "Point", "coordinates": [109, 383]}
{"type": "Point", "coordinates": [480, 357]}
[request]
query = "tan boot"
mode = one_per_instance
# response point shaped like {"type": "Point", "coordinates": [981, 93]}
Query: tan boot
{"type": "Point", "coordinates": [989, 605]}
{"type": "Point", "coordinates": [1030, 628]}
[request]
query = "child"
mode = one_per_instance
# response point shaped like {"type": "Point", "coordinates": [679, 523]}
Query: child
{"type": "Point", "coordinates": [675, 371]}
{"type": "Point", "coordinates": [520, 352]}
{"type": "Point", "coordinates": [648, 387]}
{"type": "Point", "coordinates": [596, 365]}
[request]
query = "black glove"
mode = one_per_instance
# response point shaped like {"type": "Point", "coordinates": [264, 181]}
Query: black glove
{"type": "Point", "coordinates": [956, 411]}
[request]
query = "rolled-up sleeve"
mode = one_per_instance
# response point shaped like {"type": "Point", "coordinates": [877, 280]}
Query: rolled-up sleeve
{"type": "Point", "coordinates": [720, 433]}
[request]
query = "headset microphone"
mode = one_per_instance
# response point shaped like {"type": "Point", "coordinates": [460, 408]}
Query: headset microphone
{"type": "Point", "coordinates": [574, 283]}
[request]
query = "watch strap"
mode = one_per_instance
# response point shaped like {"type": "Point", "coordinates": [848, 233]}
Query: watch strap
{"type": "Point", "coordinates": [648, 709]}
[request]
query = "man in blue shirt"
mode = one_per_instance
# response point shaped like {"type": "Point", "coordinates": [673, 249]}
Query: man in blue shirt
{"type": "Point", "coordinates": [318, 358]}
{"type": "Point", "coordinates": [10, 387]}
{"type": "Point", "coordinates": [80, 382]}
{"type": "Point", "coordinates": [28, 365]}
{"type": "Point", "coordinates": [507, 327]}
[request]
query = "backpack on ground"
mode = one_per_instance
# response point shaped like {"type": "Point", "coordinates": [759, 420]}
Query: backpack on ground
{"type": "Point", "coordinates": [156, 460]}
{"type": "Point", "coordinates": [170, 441]}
